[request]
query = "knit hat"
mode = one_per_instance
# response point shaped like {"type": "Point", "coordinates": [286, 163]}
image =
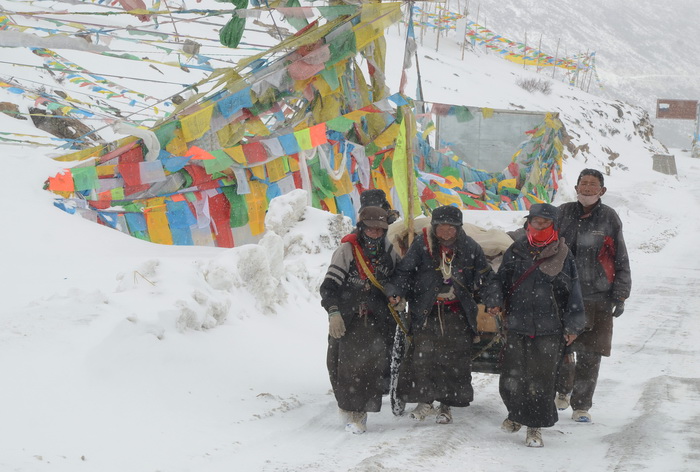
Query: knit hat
{"type": "Point", "coordinates": [449, 215]}
{"type": "Point", "coordinates": [374, 197]}
{"type": "Point", "coordinates": [544, 210]}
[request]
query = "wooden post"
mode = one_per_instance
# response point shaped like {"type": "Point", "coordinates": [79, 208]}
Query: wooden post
{"type": "Point", "coordinates": [464, 33]}
{"type": "Point", "coordinates": [556, 56]}
{"type": "Point", "coordinates": [525, 50]}
{"type": "Point", "coordinates": [539, 52]}
{"type": "Point", "coordinates": [437, 27]}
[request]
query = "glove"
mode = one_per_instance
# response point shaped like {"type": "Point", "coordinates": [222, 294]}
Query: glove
{"type": "Point", "coordinates": [618, 308]}
{"type": "Point", "coordinates": [401, 306]}
{"type": "Point", "coordinates": [336, 325]}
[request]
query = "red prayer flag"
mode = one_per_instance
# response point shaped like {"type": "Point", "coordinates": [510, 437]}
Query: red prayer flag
{"type": "Point", "coordinates": [130, 172]}
{"type": "Point", "coordinates": [62, 182]}
{"type": "Point", "coordinates": [220, 212]}
{"type": "Point", "coordinates": [132, 155]}
{"type": "Point", "coordinates": [254, 152]}
{"type": "Point", "coordinates": [318, 134]}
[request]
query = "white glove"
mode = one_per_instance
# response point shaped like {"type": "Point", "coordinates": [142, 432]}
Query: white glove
{"type": "Point", "coordinates": [336, 325]}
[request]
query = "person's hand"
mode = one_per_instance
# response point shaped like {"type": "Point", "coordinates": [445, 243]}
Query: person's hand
{"type": "Point", "coordinates": [494, 310]}
{"type": "Point", "coordinates": [618, 308]}
{"type": "Point", "coordinates": [570, 338]}
{"type": "Point", "coordinates": [336, 325]}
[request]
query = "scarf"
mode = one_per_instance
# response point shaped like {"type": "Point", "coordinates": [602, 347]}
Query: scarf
{"type": "Point", "coordinates": [541, 237]}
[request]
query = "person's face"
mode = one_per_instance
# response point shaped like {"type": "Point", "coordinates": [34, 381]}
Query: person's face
{"type": "Point", "coordinates": [373, 233]}
{"type": "Point", "coordinates": [589, 185]}
{"type": "Point", "coordinates": [539, 223]}
{"type": "Point", "coordinates": [445, 231]}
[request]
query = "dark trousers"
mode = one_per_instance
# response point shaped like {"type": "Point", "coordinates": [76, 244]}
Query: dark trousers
{"type": "Point", "coordinates": [527, 378]}
{"type": "Point", "coordinates": [438, 365]}
{"type": "Point", "coordinates": [580, 378]}
{"type": "Point", "coordinates": [356, 364]}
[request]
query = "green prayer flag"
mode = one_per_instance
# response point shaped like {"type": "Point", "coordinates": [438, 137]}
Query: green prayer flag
{"type": "Point", "coordinates": [297, 23]}
{"type": "Point", "coordinates": [342, 46]}
{"type": "Point", "coordinates": [222, 161]}
{"type": "Point", "coordinates": [340, 124]}
{"type": "Point", "coordinates": [463, 114]}
{"type": "Point", "coordinates": [239, 207]}
{"type": "Point", "coordinates": [85, 178]}
{"type": "Point", "coordinates": [166, 133]}
{"type": "Point", "coordinates": [333, 12]}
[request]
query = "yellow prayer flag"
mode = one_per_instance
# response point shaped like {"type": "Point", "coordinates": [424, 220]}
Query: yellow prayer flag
{"type": "Point", "coordinates": [158, 228]}
{"type": "Point", "coordinates": [177, 146]}
{"type": "Point", "coordinates": [293, 164]}
{"type": "Point", "coordinates": [275, 170]}
{"type": "Point", "coordinates": [355, 115]}
{"type": "Point", "coordinates": [388, 136]}
{"type": "Point", "coordinates": [381, 15]}
{"type": "Point", "coordinates": [257, 206]}
{"type": "Point", "coordinates": [231, 134]}
{"type": "Point", "coordinates": [552, 122]}
{"type": "Point", "coordinates": [344, 185]}
{"type": "Point", "coordinates": [402, 171]}
{"type": "Point", "coordinates": [256, 127]}
{"type": "Point", "coordinates": [448, 199]}
{"type": "Point", "coordinates": [330, 203]}
{"type": "Point", "coordinates": [195, 125]}
{"type": "Point", "coordinates": [511, 183]}
{"type": "Point", "coordinates": [104, 170]}
{"type": "Point", "coordinates": [428, 130]}
{"type": "Point", "coordinates": [303, 139]}
{"type": "Point", "coordinates": [380, 181]}
{"type": "Point", "coordinates": [326, 108]}
{"type": "Point", "coordinates": [259, 172]}
{"type": "Point", "coordinates": [236, 154]}
{"type": "Point", "coordinates": [487, 112]}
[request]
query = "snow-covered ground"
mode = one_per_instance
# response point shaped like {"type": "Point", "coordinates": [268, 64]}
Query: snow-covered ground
{"type": "Point", "coordinates": [121, 355]}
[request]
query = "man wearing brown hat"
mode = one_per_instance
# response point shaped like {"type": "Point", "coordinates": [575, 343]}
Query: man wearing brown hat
{"type": "Point", "coordinates": [360, 324]}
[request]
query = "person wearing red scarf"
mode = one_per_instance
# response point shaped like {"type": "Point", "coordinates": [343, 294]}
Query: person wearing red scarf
{"type": "Point", "coordinates": [544, 313]}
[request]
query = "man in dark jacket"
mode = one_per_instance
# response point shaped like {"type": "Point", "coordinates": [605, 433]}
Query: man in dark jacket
{"type": "Point", "coordinates": [593, 232]}
{"type": "Point", "coordinates": [360, 324]}
{"type": "Point", "coordinates": [439, 277]}
{"type": "Point", "coordinates": [544, 312]}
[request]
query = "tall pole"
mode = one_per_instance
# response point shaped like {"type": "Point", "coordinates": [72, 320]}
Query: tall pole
{"type": "Point", "coordinates": [695, 152]}
{"type": "Point", "coordinates": [556, 56]}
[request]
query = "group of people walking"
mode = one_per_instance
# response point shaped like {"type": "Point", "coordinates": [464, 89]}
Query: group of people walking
{"type": "Point", "coordinates": [559, 286]}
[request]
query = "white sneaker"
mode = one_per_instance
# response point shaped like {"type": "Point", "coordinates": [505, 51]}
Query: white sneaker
{"type": "Point", "coordinates": [421, 411]}
{"type": "Point", "coordinates": [534, 437]}
{"type": "Point", "coordinates": [562, 401]}
{"type": "Point", "coordinates": [510, 426]}
{"type": "Point", "coordinates": [581, 416]}
{"type": "Point", "coordinates": [356, 422]}
{"type": "Point", "coordinates": [444, 415]}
